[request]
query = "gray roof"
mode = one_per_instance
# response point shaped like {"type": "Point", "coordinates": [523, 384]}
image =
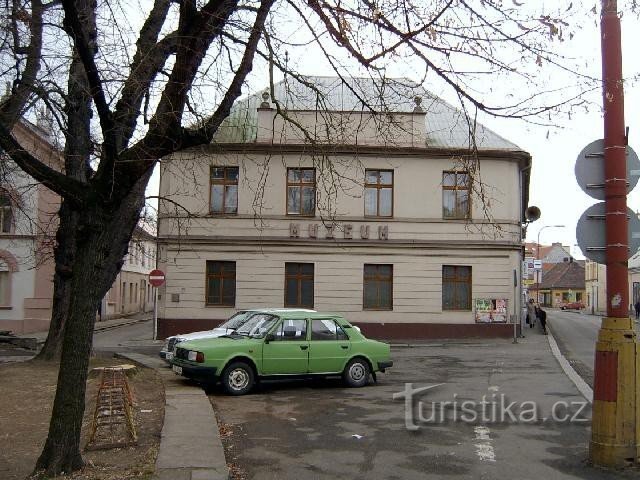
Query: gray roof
{"type": "Point", "coordinates": [446, 126]}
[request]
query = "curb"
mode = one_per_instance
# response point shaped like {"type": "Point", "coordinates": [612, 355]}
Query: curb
{"type": "Point", "coordinates": [577, 380]}
{"type": "Point", "coordinates": [187, 407]}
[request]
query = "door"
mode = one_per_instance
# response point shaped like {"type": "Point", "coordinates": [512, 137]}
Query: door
{"type": "Point", "coordinates": [329, 346]}
{"type": "Point", "coordinates": [288, 353]}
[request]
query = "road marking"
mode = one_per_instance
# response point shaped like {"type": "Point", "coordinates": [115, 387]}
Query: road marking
{"type": "Point", "coordinates": [484, 449]}
{"type": "Point", "coordinates": [577, 380]}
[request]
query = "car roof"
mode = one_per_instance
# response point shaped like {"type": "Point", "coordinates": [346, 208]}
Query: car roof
{"type": "Point", "coordinates": [307, 314]}
{"type": "Point", "coordinates": [276, 309]}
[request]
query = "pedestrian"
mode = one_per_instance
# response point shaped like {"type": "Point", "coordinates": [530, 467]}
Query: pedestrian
{"type": "Point", "coordinates": [542, 316]}
{"type": "Point", "coordinates": [637, 307]}
{"type": "Point", "coordinates": [531, 313]}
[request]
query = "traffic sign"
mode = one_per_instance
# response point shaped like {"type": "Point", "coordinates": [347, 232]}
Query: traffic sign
{"type": "Point", "coordinates": [589, 169]}
{"type": "Point", "coordinates": [156, 278]}
{"type": "Point", "coordinates": [591, 235]}
{"type": "Point", "coordinates": [537, 264]}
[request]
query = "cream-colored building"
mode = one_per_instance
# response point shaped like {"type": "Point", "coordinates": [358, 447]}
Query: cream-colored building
{"type": "Point", "coordinates": [386, 219]}
{"type": "Point", "coordinates": [595, 284]}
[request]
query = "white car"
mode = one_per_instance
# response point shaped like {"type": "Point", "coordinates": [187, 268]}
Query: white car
{"type": "Point", "coordinates": [233, 323]}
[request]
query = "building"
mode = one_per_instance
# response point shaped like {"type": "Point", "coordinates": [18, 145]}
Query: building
{"type": "Point", "coordinates": [28, 222]}
{"type": "Point", "coordinates": [595, 279]}
{"type": "Point", "coordinates": [131, 292]}
{"type": "Point", "coordinates": [373, 216]}
{"type": "Point", "coordinates": [562, 283]}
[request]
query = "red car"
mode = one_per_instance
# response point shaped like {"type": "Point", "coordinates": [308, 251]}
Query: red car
{"type": "Point", "coordinates": [572, 306]}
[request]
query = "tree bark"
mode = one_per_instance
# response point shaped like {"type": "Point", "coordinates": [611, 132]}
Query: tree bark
{"type": "Point", "coordinates": [102, 242]}
{"type": "Point", "coordinates": [64, 254]}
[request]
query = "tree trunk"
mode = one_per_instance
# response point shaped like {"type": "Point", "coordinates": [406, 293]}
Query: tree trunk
{"type": "Point", "coordinates": [101, 244]}
{"type": "Point", "coordinates": [64, 254]}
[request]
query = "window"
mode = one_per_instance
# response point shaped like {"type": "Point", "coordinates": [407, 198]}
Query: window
{"type": "Point", "coordinates": [292, 330]}
{"type": "Point", "coordinates": [456, 287]}
{"type": "Point", "coordinates": [378, 287]}
{"type": "Point", "coordinates": [455, 195]}
{"type": "Point", "coordinates": [378, 193]}
{"type": "Point", "coordinates": [301, 191]}
{"type": "Point", "coordinates": [298, 285]}
{"type": "Point", "coordinates": [5, 284]}
{"type": "Point", "coordinates": [327, 329]}
{"type": "Point", "coordinates": [224, 190]}
{"type": "Point", "coordinates": [6, 214]}
{"type": "Point", "coordinates": [221, 283]}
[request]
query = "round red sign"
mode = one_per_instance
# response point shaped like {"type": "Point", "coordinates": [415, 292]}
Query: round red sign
{"type": "Point", "coordinates": [156, 277]}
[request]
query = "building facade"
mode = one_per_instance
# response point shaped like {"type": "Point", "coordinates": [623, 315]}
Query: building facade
{"type": "Point", "coordinates": [28, 221]}
{"type": "Point", "coordinates": [384, 218]}
{"type": "Point", "coordinates": [131, 292]}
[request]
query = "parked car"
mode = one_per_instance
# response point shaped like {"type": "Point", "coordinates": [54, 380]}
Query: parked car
{"type": "Point", "coordinates": [572, 306]}
{"type": "Point", "coordinates": [235, 321]}
{"type": "Point", "coordinates": [281, 344]}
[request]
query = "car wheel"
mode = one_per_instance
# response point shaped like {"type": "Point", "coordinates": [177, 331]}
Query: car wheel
{"type": "Point", "coordinates": [356, 373]}
{"type": "Point", "coordinates": [238, 378]}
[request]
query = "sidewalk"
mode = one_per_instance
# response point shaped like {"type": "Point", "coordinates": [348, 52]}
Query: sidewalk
{"type": "Point", "coordinates": [190, 445]}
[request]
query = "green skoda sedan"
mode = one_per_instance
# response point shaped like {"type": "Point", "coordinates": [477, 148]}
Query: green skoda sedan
{"type": "Point", "coordinates": [282, 344]}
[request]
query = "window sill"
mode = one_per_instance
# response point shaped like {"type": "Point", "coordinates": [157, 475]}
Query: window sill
{"type": "Point", "coordinates": [6, 307]}
{"type": "Point", "coordinates": [207, 305]}
{"type": "Point", "coordinates": [365, 309]}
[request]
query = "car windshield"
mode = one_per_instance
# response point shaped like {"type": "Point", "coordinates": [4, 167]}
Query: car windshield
{"type": "Point", "coordinates": [258, 325]}
{"type": "Point", "coordinates": [236, 320]}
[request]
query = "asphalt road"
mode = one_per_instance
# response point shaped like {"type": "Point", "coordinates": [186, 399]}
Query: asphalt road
{"type": "Point", "coordinates": [322, 430]}
{"type": "Point", "coordinates": [576, 334]}
{"type": "Point", "coordinates": [137, 338]}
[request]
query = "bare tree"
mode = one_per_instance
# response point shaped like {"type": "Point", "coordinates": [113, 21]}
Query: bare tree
{"type": "Point", "coordinates": [125, 96]}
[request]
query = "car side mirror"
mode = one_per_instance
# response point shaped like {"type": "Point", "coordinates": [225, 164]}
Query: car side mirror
{"type": "Point", "coordinates": [269, 338]}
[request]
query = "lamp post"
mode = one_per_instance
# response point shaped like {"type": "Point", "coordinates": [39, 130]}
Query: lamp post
{"type": "Point", "coordinates": [538, 257]}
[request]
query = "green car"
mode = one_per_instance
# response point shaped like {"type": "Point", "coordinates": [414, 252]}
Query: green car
{"type": "Point", "coordinates": [283, 344]}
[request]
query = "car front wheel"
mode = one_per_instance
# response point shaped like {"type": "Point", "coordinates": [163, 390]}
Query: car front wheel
{"type": "Point", "coordinates": [238, 378]}
{"type": "Point", "coordinates": [356, 373]}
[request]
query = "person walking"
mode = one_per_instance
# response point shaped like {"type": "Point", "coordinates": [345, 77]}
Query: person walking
{"type": "Point", "coordinates": [637, 308]}
{"type": "Point", "coordinates": [531, 313]}
{"type": "Point", "coordinates": [542, 316]}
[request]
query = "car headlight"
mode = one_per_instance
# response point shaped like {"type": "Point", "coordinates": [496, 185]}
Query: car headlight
{"type": "Point", "coordinates": [194, 356]}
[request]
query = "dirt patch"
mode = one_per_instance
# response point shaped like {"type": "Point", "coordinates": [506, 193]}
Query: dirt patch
{"type": "Point", "coordinates": [28, 390]}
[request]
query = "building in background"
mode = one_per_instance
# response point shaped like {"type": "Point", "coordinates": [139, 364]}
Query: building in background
{"type": "Point", "coordinates": [595, 279]}
{"type": "Point", "coordinates": [373, 216]}
{"type": "Point", "coordinates": [131, 292]}
{"type": "Point", "coordinates": [28, 222]}
{"type": "Point", "coordinates": [562, 283]}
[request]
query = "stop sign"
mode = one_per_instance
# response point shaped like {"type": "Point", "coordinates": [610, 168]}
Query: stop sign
{"type": "Point", "coordinates": [156, 277]}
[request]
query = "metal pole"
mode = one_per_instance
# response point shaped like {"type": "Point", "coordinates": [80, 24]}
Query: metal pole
{"type": "Point", "coordinates": [614, 429]}
{"type": "Point", "coordinates": [155, 313]}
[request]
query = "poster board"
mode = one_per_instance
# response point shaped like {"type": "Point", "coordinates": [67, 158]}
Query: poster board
{"type": "Point", "coordinates": [491, 310]}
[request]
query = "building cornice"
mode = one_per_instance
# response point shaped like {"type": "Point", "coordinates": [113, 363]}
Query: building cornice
{"type": "Point", "coordinates": [362, 150]}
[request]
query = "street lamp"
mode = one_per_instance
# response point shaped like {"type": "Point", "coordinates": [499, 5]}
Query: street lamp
{"type": "Point", "coordinates": [538, 256]}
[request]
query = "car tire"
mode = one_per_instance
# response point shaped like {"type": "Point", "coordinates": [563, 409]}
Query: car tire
{"type": "Point", "coordinates": [356, 373]}
{"type": "Point", "coordinates": [238, 378]}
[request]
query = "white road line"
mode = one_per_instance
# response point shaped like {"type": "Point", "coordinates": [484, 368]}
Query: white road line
{"type": "Point", "coordinates": [484, 449]}
{"type": "Point", "coordinates": [580, 384]}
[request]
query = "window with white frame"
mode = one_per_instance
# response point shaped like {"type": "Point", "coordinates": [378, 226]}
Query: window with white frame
{"type": "Point", "coordinates": [5, 284]}
{"type": "Point", "coordinates": [6, 214]}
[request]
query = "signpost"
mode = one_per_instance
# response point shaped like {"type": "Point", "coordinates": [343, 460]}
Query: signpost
{"type": "Point", "coordinates": [156, 279]}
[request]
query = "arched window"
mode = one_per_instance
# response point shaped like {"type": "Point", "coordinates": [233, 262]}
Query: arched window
{"type": "Point", "coordinates": [6, 213]}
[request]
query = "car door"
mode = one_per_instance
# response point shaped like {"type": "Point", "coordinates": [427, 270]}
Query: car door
{"type": "Point", "coordinates": [329, 346]}
{"type": "Point", "coordinates": [287, 353]}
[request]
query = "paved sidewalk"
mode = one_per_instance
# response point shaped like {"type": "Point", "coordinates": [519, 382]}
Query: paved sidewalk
{"type": "Point", "coordinates": [190, 446]}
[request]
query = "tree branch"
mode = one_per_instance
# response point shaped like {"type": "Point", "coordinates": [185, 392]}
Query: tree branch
{"type": "Point", "coordinates": [86, 50]}
{"type": "Point", "coordinates": [64, 186]}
